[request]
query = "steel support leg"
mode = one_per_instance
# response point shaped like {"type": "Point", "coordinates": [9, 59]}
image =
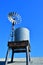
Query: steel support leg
{"type": "Point", "coordinates": [7, 56]}
{"type": "Point", "coordinates": [27, 56]}
{"type": "Point", "coordinates": [12, 55]}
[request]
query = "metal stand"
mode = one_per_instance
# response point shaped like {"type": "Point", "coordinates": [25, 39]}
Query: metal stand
{"type": "Point", "coordinates": [15, 47]}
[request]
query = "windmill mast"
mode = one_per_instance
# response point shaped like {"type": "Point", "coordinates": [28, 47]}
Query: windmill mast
{"type": "Point", "coordinates": [14, 18]}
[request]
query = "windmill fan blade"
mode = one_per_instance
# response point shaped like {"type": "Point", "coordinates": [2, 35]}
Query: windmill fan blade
{"type": "Point", "coordinates": [14, 17]}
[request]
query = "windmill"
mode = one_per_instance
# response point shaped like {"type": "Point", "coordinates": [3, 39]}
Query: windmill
{"type": "Point", "coordinates": [20, 38]}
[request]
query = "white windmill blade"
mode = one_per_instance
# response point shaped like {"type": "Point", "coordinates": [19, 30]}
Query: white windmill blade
{"type": "Point", "coordinates": [10, 19]}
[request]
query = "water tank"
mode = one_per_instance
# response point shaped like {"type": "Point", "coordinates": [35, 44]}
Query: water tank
{"type": "Point", "coordinates": [22, 34]}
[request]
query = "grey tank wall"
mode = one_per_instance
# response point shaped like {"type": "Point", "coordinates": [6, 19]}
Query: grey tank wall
{"type": "Point", "coordinates": [22, 34]}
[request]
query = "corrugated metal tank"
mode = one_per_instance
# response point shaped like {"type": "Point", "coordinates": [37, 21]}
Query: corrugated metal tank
{"type": "Point", "coordinates": [22, 34]}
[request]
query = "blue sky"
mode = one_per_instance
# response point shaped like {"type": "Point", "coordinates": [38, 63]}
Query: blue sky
{"type": "Point", "coordinates": [31, 12]}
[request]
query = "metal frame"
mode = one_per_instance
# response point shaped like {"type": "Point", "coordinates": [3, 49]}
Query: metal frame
{"type": "Point", "coordinates": [15, 47]}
